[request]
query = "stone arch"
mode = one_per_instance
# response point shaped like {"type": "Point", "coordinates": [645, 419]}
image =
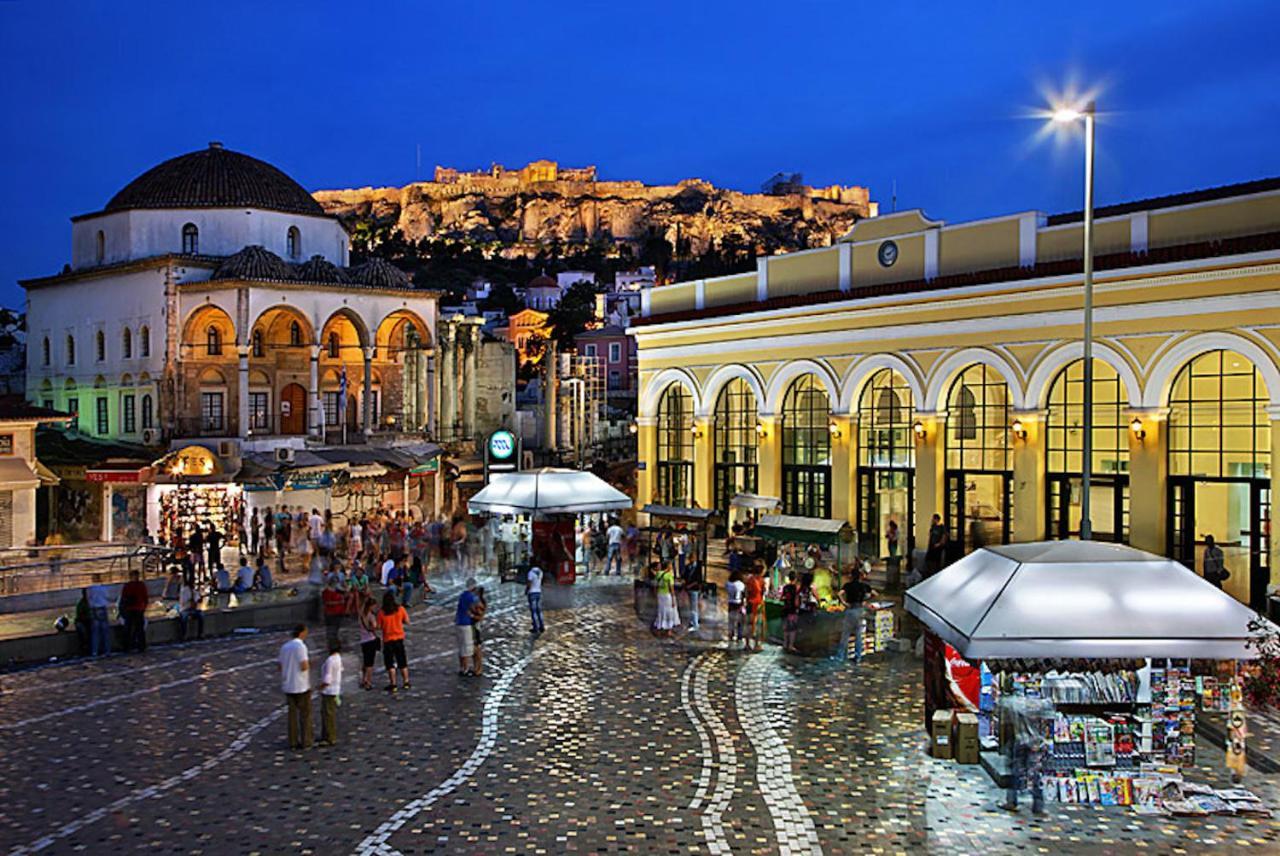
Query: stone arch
{"type": "Point", "coordinates": [783, 378]}
{"type": "Point", "coordinates": [1155, 393]}
{"type": "Point", "coordinates": [351, 328]}
{"type": "Point", "coordinates": [195, 331]}
{"type": "Point", "coordinates": [862, 371]}
{"type": "Point", "coordinates": [652, 394]}
{"type": "Point", "coordinates": [721, 376]}
{"type": "Point", "coordinates": [392, 326]}
{"type": "Point", "coordinates": [212, 377]}
{"type": "Point", "coordinates": [942, 376]}
{"type": "Point", "coordinates": [274, 322]}
{"type": "Point", "coordinates": [1050, 365]}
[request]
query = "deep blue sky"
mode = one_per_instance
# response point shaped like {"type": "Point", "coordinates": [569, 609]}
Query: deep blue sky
{"type": "Point", "coordinates": [932, 96]}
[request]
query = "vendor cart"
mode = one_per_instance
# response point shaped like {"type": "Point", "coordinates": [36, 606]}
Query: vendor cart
{"type": "Point", "coordinates": [659, 542]}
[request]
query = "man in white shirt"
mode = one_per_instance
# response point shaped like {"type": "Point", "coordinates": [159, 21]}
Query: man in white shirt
{"type": "Point", "coordinates": [387, 567]}
{"type": "Point", "coordinates": [188, 608]}
{"type": "Point", "coordinates": [533, 593]}
{"type": "Point", "coordinates": [330, 694]}
{"type": "Point", "coordinates": [736, 591]}
{"type": "Point", "coordinates": [615, 535]}
{"type": "Point", "coordinates": [315, 524]}
{"type": "Point", "coordinates": [295, 682]}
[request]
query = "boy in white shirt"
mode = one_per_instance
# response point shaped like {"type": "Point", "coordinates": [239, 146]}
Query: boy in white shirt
{"type": "Point", "coordinates": [330, 694]}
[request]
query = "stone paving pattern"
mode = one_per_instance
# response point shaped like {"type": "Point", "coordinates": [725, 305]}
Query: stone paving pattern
{"type": "Point", "coordinates": [594, 738]}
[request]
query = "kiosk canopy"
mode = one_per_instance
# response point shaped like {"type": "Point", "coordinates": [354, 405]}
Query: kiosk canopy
{"type": "Point", "coordinates": [805, 530]}
{"type": "Point", "coordinates": [549, 490]}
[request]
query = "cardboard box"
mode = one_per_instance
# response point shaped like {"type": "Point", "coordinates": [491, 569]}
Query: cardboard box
{"type": "Point", "coordinates": [966, 738]}
{"type": "Point", "coordinates": [941, 731]}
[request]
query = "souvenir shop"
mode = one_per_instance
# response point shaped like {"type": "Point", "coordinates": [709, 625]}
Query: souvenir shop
{"type": "Point", "coordinates": [821, 553]}
{"type": "Point", "coordinates": [191, 488]}
{"type": "Point", "coordinates": [1096, 649]}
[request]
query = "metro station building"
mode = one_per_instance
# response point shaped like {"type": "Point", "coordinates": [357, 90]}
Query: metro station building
{"type": "Point", "coordinates": [918, 367]}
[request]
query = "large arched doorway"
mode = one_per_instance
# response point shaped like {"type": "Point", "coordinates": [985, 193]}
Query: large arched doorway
{"type": "Point", "coordinates": [736, 447]}
{"type": "Point", "coordinates": [806, 449]}
{"type": "Point", "coordinates": [886, 466]}
{"type": "Point", "coordinates": [1220, 470]}
{"type": "Point", "coordinates": [293, 409]}
{"type": "Point", "coordinates": [979, 461]}
{"type": "Point", "coordinates": [1064, 448]}
{"type": "Point", "coordinates": [675, 447]}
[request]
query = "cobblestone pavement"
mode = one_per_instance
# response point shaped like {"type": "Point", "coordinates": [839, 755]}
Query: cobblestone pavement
{"type": "Point", "coordinates": [594, 738]}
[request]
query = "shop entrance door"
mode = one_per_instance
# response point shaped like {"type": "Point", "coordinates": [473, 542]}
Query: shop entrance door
{"type": "Point", "coordinates": [1237, 513]}
{"type": "Point", "coordinates": [293, 409]}
{"type": "Point", "coordinates": [884, 495]}
{"type": "Point", "coordinates": [731, 480]}
{"type": "Point", "coordinates": [978, 510]}
{"type": "Point", "coordinates": [1109, 507]}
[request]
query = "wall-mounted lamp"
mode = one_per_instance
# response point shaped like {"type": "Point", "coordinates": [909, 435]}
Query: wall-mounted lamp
{"type": "Point", "coordinates": [1019, 430]}
{"type": "Point", "coordinates": [760, 430]}
{"type": "Point", "coordinates": [917, 428]}
{"type": "Point", "coordinates": [834, 430]}
{"type": "Point", "coordinates": [1136, 427]}
{"type": "Point", "coordinates": [633, 428]}
{"type": "Point", "coordinates": [695, 431]}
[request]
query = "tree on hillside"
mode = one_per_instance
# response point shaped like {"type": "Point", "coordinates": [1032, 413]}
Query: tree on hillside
{"type": "Point", "coordinates": [502, 297]}
{"type": "Point", "coordinates": [577, 307]}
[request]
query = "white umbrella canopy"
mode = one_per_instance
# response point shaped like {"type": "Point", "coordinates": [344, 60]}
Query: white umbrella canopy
{"type": "Point", "coordinates": [549, 490]}
{"type": "Point", "coordinates": [1079, 599]}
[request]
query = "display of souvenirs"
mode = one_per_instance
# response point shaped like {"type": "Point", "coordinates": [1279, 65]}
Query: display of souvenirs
{"type": "Point", "coordinates": [182, 508]}
{"type": "Point", "coordinates": [1150, 792]}
{"type": "Point", "coordinates": [1173, 710]}
{"type": "Point", "coordinates": [879, 627]}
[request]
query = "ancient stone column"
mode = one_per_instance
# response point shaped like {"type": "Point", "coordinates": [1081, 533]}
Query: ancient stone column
{"type": "Point", "coordinates": [470, 345]}
{"type": "Point", "coordinates": [242, 393]}
{"type": "Point", "coordinates": [448, 384]}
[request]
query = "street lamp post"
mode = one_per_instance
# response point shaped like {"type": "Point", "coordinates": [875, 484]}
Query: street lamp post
{"type": "Point", "coordinates": [1071, 115]}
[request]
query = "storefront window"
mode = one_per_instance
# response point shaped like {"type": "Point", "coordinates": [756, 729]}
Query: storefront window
{"type": "Point", "coordinates": [1218, 424]}
{"type": "Point", "coordinates": [736, 443]}
{"type": "Point", "coordinates": [806, 449]}
{"type": "Point", "coordinates": [675, 447]}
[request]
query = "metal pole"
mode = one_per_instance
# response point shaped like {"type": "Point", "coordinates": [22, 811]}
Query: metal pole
{"type": "Point", "coordinates": [1086, 523]}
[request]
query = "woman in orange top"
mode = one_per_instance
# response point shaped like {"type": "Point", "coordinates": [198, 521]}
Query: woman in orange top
{"type": "Point", "coordinates": [755, 609]}
{"type": "Point", "coordinates": [391, 621]}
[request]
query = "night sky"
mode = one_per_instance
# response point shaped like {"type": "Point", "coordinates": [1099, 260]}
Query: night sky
{"type": "Point", "coordinates": [935, 97]}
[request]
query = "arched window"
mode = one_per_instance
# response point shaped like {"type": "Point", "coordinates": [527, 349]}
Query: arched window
{"type": "Point", "coordinates": [44, 351]}
{"type": "Point", "coordinates": [148, 414]}
{"type": "Point", "coordinates": [736, 443]}
{"type": "Point", "coordinates": [335, 346]}
{"type": "Point", "coordinates": [806, 449]}
{"type": "Point", "coordinates": [126, 344]}
{"type": "Point", "coordinates": [190, 239]}
{"type": "Point", "coordinates": [1064, 449]}
{"type": "Point", "coordinates": [100, 247]}
{"type": "Point", "coordinates": [293, 242]}
{"type": "Point", "coordinates": [675, 447]}
{"type": "Point", "coordinates": [885, 411]}
{"type": "Point", "coordinates": [295, 333]}
{"type": "Point", "coordinates": [144, 341]}
{"type": "Point", "coordinates": [256, 343]}
{"type": "Point", "coordinates": [71, 350]}
{"type": "Point", "coordinates": [886, 466]}
{"type": "Point", "coordinates": [1218, 424]}
{"type": "Point", "coordinates": [978, 416]}
{"type": "Point", "coordinates": [100, 346]}
{"type": "Point", "coordinates": [213, 339]}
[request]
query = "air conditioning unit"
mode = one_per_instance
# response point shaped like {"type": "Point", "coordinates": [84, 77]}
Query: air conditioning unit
{"type": "Point", "coordinates": [284, 455]}
{"type": "Point", "coordinates": [150, 436]}
{"type": "Point", "coordinates": [226, 449]}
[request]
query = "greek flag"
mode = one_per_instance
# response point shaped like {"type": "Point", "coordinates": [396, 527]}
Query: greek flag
{"type": "Point", "coordinates": [342, 394]}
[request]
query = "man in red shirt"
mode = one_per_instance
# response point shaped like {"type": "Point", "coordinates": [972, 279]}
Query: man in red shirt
{"type": "Point", "coordinates": [334, 601]}
{"type": "Point", "coordinates": [133, 608]}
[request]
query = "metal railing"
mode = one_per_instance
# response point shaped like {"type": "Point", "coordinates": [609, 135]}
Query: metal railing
{"type": "Point", "coordinates": [59, 572]}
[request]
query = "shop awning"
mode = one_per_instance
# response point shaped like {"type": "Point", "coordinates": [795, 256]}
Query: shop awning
{"type": "Point", "coordinates": [548, 491]}
{"type": "Point", "coordinates": [16, 472]}
{"type": "Point", "coordinates": [755, 501]}
{"type": "Point", "coordinates": [119, 472]}
{"type": "Point", "coordinates": [1079, 599]}
{"type": "Point", "coordinates": [805, 530]}
{"type": "Point", "coordinates": [47, 477]}
{"type": "Point", "coordinates": [676, 512]}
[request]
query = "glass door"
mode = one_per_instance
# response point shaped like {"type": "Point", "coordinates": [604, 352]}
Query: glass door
{"type": "Point", "coordinates": [886, 504]}
{"type": "Point", "coordinates": [1110, 507]}
{"type": "Point", "coordinates": [1236, 512]}
{"type": "Point", "coordinates": [978, 510]}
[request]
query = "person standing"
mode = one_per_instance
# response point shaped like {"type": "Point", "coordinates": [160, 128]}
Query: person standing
{"type": "Point", "coordinates": [478, 610]}
{"type": "Point", "coordinates": [936, 552]}
{"type": "Point", "coordinates": [391, 622]}
{"type": "Point", "coordinates": [330, 694]}
{"type": "Point", "coordinates": [614, 536]}
{"type": "Point", "coordinates": [691, 578]}
{"type": "Point", "coordinates": [334, 605]}
{"type": "Point", "coordinates": [790, 613]}
{"type": "Point", "coordinates": [84, 623]}
{"type": "Point", "coordinates": [255, 530]}
{"type": "Point", "coordinates": [462, 621]}
{"type": "Point", "coordinates": [1215, 569]}
{"type": "Point", "coordinates": [369, 641]}
{"type": "Point", "coordinates": [189, 608]}
{"type": "Point", "coordinates": [213, 542]}
{"type": "Point", "coordinates": [735, 592]}
{"type": "Point", "coordinates": [533, 594]}
{"type": "Point", "coordinates": [295, 683]}
{"type": "Point", "coordinates": [99, 620]}
{"type": "Point", "coordinates": [668, 616]}
{"type": "Point", "coordinates": [134, 598]}
{"type": "Point", "coordinates": [756, 625]}
{"type": "Point", "coordinates": [268, 531]}
{"type": "Point", "coordinates": [195, 546]}
{"type": "Point", "coordinates": [853, 596]}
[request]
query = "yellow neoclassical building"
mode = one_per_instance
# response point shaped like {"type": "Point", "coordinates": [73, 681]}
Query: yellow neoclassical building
{"type": "Point", "coordinates": [918, 367]}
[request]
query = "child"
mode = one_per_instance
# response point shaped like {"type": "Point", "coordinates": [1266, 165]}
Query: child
{"type": "Point", "coordinates": [331, 694]}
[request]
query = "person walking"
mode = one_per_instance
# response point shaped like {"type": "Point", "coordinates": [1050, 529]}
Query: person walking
{"type": "Point", "coordinates": [735, 593]}
{"type": "Point", "coordinates": [478, 610]}
{"type": "Point", "coordinates": [756, 625]}
{"type": "Point", "coordinates": [790, 613]}
{"type": "Point", "coordinates": [391, 622]}
{"type": "Point", "coordinates": [533, 594]}
{"type": "Point", "coordinates": [369, 641]}
{"type": "Point", "coordinates": [853, 595]}
{"type": "Point", "coordinates": [334, 605]}
{"type": "Point", "coordinates": [330, 694]}
{"type": "Point", "coordinates": [614, 536]}
{"type": "Point", "coordinates": [936, 552]}
{"type": "Point", "coordinates": [134, 598]}
{"type": "Point", "coordinates": [255, 530]}
{"type": "Point", "coordinates": [462, 623]}
{"type": "Point", "coordinates": [295, 683]}
{"type": "Point", "coordinates": [99, 620]}
{"type": "Point", "coordinates": [691, 579]}
{"type": "Point", "coordinates": [668, 618]}
{"type": "Point", "coordinates": [1215, 569]}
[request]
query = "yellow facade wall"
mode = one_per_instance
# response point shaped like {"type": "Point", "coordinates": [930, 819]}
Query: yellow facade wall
{"type": "Point", "coordinates": [963, 249]}
{"type": "Point", "coordinates": [677, 297]}
{"type": "Point", "coordinates": [890, 226]}
{"type": "Point", "coordinates": [803, 273]}
{"type": "Point", "coordinates": [1056, 243]}
{"type": "Point", "coordinates": [728, 290]}
{"type": "Point", "coordinates": [909, 266]}
{"type": "Point", "coordinates": [1200, 222]}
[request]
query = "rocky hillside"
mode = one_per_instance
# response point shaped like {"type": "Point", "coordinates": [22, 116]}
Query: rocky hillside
{"type": "Point", "coordinates": [517, 219]}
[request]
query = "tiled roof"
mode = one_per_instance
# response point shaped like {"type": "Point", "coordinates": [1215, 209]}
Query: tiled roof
{"type": "Point", "coordinates": [1067, 267]}
{"type": "Point", "coordinates": [380, 273]}
{"type": "Point", "coordinates": [15, 408]}
{"type": "Point", "coordinates": [320, 269]}
{"type": "Point", "coordinates": [215, 178]}
{"type": "Point", "coordinates": [253, 262]}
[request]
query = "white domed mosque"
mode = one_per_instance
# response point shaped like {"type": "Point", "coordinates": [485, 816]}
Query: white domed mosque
{"type": "Point", "coordinates": [212, 298]}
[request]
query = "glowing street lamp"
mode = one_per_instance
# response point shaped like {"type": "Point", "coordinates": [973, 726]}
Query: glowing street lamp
{"type": "Point", "coordinates": [1069, 115]}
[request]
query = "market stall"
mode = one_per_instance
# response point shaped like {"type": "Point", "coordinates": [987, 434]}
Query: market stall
{"type": "Point", "coordinates": [1121, 649]}
{"type": "Point", "coordinates": [820, 553]}
{"type": "Point", "coordinates": [191, 488]}
{"type": "Point", "coordinates": [551, 499]}
{"type": "Point", "coordinates": [673, 536]}
{"type": "Point", "coordinates": [745, 510]}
